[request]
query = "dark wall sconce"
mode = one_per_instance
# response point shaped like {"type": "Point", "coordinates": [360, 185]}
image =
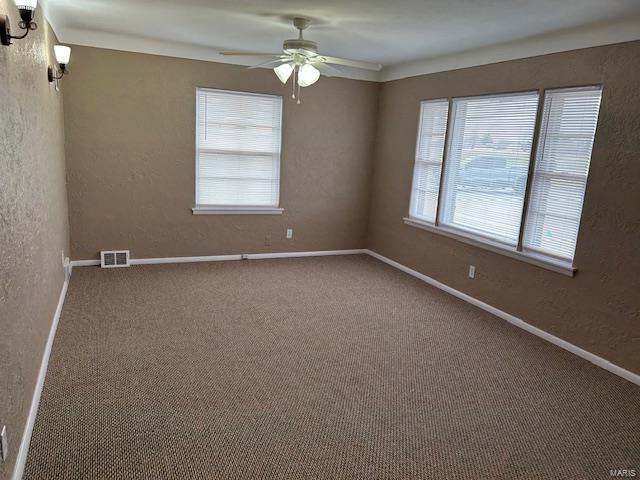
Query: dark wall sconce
{"type": "Point", "coordinates": [63, 54]}
{"type": "Point", "coordinates": [27, 9]}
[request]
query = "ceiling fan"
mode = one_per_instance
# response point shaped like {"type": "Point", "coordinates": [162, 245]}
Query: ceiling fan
{"type": "Point", "coordinates": [300, 59]}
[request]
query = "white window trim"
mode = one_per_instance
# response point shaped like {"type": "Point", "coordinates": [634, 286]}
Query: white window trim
{"type": "Point", "coordinates": [533, 258]}
{"type": "Point", "coordinates": [204, 209]}
{"type": "Point", "coordinates": [233, 210]}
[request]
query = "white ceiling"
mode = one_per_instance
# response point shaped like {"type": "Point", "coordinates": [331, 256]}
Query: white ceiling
{"type": "Point", "coordinates": [408, 37]}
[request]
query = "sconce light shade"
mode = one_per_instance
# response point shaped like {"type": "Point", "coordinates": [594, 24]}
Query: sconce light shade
{"type": "Point", "coordinates": [284, 71]}
{"type": "Point", "coordinates": [63, 53]}
{"type": "Point", "coordinates": [26, 4]}
{"type": "Point", "coordinates": [308, 75]}
{"type": "Point", "coordinates": [27, 9]}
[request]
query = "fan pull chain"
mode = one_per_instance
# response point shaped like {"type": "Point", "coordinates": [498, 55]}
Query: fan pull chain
{"type": "Point", "coordinates": [293, 89]}
{"type": "Point", "coordinates": [298, 94]}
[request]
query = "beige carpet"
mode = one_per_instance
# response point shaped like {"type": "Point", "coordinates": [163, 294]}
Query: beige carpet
{"type": "Point", "coordinates": [316, 368]}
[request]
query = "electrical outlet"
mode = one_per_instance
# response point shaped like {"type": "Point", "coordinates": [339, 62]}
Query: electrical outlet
{"type": "Point", "coordinates": [289, 233]}
{"type": "Point", "coordinates": [267, 240]}
{"type": "Point", "coordinates": [472, 271]}
{"type": "Point", "coordinates": [4, 444]}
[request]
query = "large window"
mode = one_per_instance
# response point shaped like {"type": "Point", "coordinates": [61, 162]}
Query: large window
{"type": "Point", "coordinates": [487, 164]}
{"type": "Point", "coordinates": [237, 152]}
{"type": "Point", "coordinates": [486, 194]}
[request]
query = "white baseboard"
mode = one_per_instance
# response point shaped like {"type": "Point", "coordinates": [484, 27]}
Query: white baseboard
{"type": "Point", "coordinates": [156, 261]}
{"type": "Point", "coordinates": [322, 253]}
{"type": "Point", "coordinates": [21, 459]}
{"type": "Point", "coordinates": [596, 360]}
{"type": "Point", "coordinates": [224, 258]}
{"type": "Point", "coordinates": [84, 263]}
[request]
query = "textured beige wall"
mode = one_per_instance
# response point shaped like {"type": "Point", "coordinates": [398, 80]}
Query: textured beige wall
{"type": "Point", "coordinates": [33, 220]}
{"type": "Point", "coordinates": [599, 309]}
{"type": "Point", "coordinates": [130, 123]}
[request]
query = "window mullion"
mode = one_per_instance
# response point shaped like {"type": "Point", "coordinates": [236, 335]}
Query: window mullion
{"type": "Point", "coordinates": [447, 139]}
{"type": "Point", "coordinates": [532, 160]}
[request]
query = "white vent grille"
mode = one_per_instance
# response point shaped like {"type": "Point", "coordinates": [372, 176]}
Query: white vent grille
{"type": "Point", "coordinates": [114, 258]}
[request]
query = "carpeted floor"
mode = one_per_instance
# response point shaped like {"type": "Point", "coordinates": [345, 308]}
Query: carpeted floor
{"type": "Point", "coordinates": [313, 368]}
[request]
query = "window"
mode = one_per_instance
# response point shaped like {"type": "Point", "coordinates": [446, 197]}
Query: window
{"type": "Point", "coordinates": [487, 164]}
{"type": "Point", "coordinates": [486, 187]}
{"type": "Point", "coordinates": [426, 176]}
{"type": "Point", "coordinates": [237, 152]}
{"type": "Point", "coordinates": [562, 162]}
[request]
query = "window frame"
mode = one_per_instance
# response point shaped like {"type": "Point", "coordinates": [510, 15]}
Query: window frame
{"type": "Point", "coordinates": [445, 173]}
{"type": "Point", "coordinates": [530, 178]}
{"type": "Point", "coordinates": [210, 209]}
{"type": "Point", "coordinates": [544, 260]}
{"type": "Point", "coordinates": [441, 164]}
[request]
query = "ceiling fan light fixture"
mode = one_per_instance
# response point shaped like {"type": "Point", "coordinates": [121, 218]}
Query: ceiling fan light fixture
{"type": "Point", "coordinates": [308, 75]}
{"type": "Point", "coordinates": [284, 71]}
{"type": "Point", "coordinates": [301, 59]}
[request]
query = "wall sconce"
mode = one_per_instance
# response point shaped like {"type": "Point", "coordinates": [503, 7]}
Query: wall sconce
{"type": "Point", "coordinates": [27, 9]}
{"type": "Point", "coordinates": [63, 54]}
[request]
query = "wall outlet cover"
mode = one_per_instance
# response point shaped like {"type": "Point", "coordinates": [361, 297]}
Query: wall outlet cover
{"type": "Point", "coordinates": [472, 271]}
{"type": "Point", "coordinates": [289, 232]}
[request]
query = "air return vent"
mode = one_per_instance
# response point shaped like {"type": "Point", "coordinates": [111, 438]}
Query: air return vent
{"type": "Point", "coordinates": [114, 259]}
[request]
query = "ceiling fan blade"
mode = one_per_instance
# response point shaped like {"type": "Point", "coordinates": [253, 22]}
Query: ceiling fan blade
{"type": "Point", "coordinates": [270, 62]}
{"type": "Point", "coordinates": [326, 70]}
{"type": "Point", "coordinates": [376, 67]}
{"type": "Point", "coordinates": [251, 54]}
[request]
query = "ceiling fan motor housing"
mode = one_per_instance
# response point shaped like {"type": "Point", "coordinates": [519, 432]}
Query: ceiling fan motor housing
{"type": "Point", "coordinates": [296, 44]}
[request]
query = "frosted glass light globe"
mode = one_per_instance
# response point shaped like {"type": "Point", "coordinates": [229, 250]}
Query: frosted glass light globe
{"type": "Point", "coordinates": [308, 75]}
{"type": "Point", "coordinates": [283, 72]}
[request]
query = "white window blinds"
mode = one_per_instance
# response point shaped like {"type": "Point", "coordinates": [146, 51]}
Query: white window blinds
{"type": "Point", "coordinates": [428, 163]}
{"type": "Point", "coordinates": [487, 165]}
{"type": "Point", "coordinates": [238, 149]}
{"type": "Point", "coordinates": [560, 173]}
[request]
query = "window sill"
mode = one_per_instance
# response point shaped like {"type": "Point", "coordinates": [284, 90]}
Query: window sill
{"type": "Point", "coordinates": [212, 210]}
{"type": "Point", "coordinates": [528, 257]}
